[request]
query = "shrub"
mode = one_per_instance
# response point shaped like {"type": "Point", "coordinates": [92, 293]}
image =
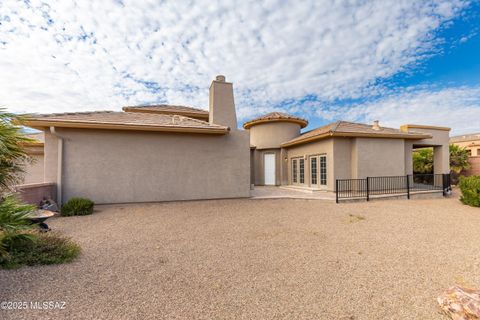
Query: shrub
{"type": "Point", "coordinates": [13, 219]}
{"type": "Point", "coordinates": [77, 207]}
{"type": "Point", "coordinates": [47, 248]}
{"type": "Point", "coordinates": [470, 187]}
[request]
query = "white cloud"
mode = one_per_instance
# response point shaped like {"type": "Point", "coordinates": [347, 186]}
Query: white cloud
{"type": "Point", "coordinates": [457, 108]}
{"type": "Point", "coordinates": [84, 55]}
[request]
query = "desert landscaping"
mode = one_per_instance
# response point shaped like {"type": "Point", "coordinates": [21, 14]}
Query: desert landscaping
{"type": "Point", "coordinates": [257, 259]}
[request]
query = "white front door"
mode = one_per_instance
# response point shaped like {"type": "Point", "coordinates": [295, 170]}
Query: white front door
{"type": "Point", "coordinates": [269, 168]}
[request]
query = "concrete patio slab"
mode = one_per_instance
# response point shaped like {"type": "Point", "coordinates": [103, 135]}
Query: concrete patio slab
{"type": "Point", "coordinates": [273, 192]}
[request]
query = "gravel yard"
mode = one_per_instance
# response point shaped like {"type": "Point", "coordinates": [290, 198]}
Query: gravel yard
{"type": "Point", "coordinates": [257, 259]}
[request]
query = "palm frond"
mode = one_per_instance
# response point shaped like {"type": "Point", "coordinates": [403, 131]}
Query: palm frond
{"type": "Point", "coordinates": [14, 215]}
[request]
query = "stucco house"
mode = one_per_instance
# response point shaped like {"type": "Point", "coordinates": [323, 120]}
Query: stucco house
{"type": "Point", "coordinates": [282, 155]}
{"type": "Point", "coordinates": [154, 153]}
{"type": "Point", "coordinates": [170, 152]}
{"type": "Point", "coordinates": [471, 142]}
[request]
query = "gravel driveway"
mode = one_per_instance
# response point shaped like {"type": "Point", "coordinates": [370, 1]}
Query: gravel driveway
{"type": "Point", "coordinates": [257, 259]}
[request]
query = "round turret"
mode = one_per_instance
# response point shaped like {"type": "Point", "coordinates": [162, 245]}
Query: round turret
{"type": "Point", "coordinates": [273, 129]}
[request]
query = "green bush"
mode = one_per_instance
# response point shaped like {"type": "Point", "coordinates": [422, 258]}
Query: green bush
{"type": "Point", "coordinates": [47, 248]}
{"type": "Point", "coordinates": [77, 207]}
{"type": "Point", "coordinates": [13, 219]}
{"type": "Point", "coordinates": [470, 187]}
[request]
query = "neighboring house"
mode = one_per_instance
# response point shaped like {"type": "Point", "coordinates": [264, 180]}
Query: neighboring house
{"type": "Point", "coordinates": [167, 152]}
{"type": "Point", "coordinates": [471, 142]}
{"type": "Point", "coordinates": [154, 153]}
{"type": "Point", "coordinates": [34, 169]}
{"type": "Point", "coordinates": [282, 155]}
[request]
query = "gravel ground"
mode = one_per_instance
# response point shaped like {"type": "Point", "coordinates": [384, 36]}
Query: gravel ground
{"type": "Point", "coordinates": [257, 259]}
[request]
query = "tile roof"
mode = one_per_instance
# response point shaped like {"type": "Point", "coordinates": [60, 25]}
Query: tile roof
{"type": "Point", "coordinates": [352, 129]}
{"type": "Point", "coordinates": [169, 109]}
{"type": "Point", "coordinates": [276, 116]}
{"type": "Point", "coordinates": [466, 137]}
{"type": "Point", "coordinates": [124, 121]}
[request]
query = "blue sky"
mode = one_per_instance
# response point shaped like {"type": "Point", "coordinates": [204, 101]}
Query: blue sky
{"type": "Point", "coordinates": [395, 61]}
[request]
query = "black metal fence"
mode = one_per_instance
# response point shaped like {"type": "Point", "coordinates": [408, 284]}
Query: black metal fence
{"type": "Point", "coordinates": [391, 185]}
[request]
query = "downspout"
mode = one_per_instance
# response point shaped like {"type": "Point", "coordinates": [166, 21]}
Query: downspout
{"type": "Point", "coordinates": [59, 164]}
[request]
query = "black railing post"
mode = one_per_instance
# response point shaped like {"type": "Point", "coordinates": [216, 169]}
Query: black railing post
{"type": "Point", "coordinates": [336, 191]}
{"type": "Point", "coordinates": [368, 191]}
{"type": "Point", "coordinates": [408, 187]}
{"type": "Point", "coordinates": [446, 183]}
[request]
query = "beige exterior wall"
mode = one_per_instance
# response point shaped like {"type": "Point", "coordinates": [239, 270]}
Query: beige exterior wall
{"type": "Point", "coordinates": [34, 170]}
{"type": "Point", "coordinates": [110, 166]}
{"type": "Point", "coordinates": [50, 157]}
{"type": "Point", "coordinates": [350, 158]}
{"type": "Point", "coordinates": [273, 134]}
{"type": "Point", "coordinates": [342, 152]}
{"type": "Point", "coordinates": [222, 104]}
{"type": "Point", "coordinates": [373, 157]}
{"type": "Point", "coordinates": [440, 142]}
{"type": "Point", "coordinates": [259, 166]}
{"type": "Point", "coordinates": [325, 146]}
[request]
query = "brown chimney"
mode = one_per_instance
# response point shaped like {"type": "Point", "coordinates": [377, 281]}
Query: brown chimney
{"type": "Point", "coordinates": [376, 126]}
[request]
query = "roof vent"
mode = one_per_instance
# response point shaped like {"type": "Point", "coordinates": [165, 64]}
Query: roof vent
{"type": "Point", "coordinates": [220, 78]}
{"type": "Point", "coordinates": [175, 119]}
{"type": "Point", "coordinates": [376, 126]}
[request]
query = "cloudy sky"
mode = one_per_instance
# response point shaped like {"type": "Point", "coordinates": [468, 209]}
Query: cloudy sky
{"type": "Point", "coordinates": [399, 61]}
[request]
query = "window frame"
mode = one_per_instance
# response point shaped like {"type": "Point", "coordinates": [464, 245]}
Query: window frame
{"type": "Point", "coordinates": [314, 171]}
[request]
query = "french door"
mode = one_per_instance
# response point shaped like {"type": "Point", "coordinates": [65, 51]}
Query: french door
{"type": "Point", "coordinates": [318, 171]}
{"type": "Point", "coordinates": [298, 171]}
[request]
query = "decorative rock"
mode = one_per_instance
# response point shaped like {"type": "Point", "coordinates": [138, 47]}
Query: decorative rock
{"type": "Point", "coordinates": [460, 303]}
{"type": "Point", "coordinates": [49, 204]}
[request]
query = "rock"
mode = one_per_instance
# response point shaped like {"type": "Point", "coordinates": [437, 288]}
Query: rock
{"type": "Point", "coordinates": [49, 204]}
{"type": "Point", "coordinates": [460, 303]}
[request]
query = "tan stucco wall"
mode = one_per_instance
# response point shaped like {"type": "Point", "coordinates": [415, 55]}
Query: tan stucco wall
{"type": "Point", "coordinates": [408, 157]}
{"type": "Point", "coordinates": [342, 152]}
{"type": "Point", "coordinates": [222, 104]}
{"type": "Point", "coordinates": [440, 142]}
{"type": "Point", "coordinates": [50, 157]}
{"type": "Point", "coordinates": [259, 169]}
{"type": "Point", "coordinates": [325, 146]}
{"type": "Point", "coordinates": [34, 170]}
{"type": "Point", "coordinates": [353, 158]}
{"type": "Point", "coordinates": [374, 157]}
{"type": "Point", "coordinates": [125, 166]}
{"type": "Point", "coordinates": [273, 134]}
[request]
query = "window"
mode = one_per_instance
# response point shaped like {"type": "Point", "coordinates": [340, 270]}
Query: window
{"type": "Point", "coordinates": [323, 170]}
{"type": "Point", "coordinates": [469, 151]}
{"type": "Point", "coordinates": [294, 170]}
{"type": "Point", "coordinates": [302, 170]}
{"type": "Point", "coordinates": [313, 170]}
{"type": "Point", "coordinates": [478, 152]}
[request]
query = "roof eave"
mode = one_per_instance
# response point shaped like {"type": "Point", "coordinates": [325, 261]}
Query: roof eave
{"type": "Point", "coordinates": [42, 124]}
{"type": "Point", "coordinates": [356, 135]}
{"type": "Point", "coordinates": [405, 127]}
{"type": "Point", "coordinates": [248, 125]}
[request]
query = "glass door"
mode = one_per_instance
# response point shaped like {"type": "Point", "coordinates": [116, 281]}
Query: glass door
{"type": "Point", "coordinates": [318, 171]}
{"type": "Point", "coordinates": [314, 172]}
{"type": "Point", "coordinates": [294, 171]}
{"type": "Point", "coordinates": [323, 170]}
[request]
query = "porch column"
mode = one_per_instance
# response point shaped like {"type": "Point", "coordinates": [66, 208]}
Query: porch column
{"type": "Point", "coordinates": [408, 157]}
{"type": "Point", "coordinates": [441, 159]}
